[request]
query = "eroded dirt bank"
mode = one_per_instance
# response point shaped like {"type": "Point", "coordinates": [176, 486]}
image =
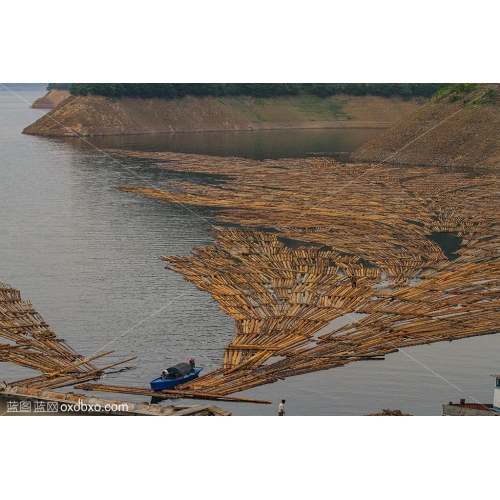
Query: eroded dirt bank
{"type": "Point", "coordinates": [97, 115]}
{"type": "Point", "coordinates": [459, 127]}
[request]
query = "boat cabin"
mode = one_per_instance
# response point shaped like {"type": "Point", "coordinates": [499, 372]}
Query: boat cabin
{"type": "Point", "coordinates": [496, 394]}
{"type": "Point", "coordinates": [180, 370]}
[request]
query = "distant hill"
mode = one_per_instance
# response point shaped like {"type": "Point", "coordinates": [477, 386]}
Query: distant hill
{"type": "Point", "coordinates": [22, 86]}
{"type": "Point", "coordinates": [51, 99]}
{"type": "Point", "coordinates": [459, 126]}
{"type": "Point", "coordinates": [59, 86]}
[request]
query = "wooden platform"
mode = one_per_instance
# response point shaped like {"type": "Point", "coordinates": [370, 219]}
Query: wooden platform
{"type": "Point", "coordinates": [26, 401]}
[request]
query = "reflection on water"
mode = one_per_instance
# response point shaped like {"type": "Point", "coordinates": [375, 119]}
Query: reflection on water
{"type": "Point", "coordinates": [448, 242]}
{"type": "Point", "coordinates": [258, 145]}
{"type": "Point", "coordinates": [87, 256]}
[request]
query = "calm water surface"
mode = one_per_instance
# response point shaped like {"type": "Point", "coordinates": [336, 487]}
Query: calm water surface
{"type": "Point", "coordinates": [86, 256]}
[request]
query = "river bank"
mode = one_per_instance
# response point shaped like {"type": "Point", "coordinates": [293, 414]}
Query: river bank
{"type": "Point", "coordinates": [458, 127]}
{"type": "Point", "coordinates": [98, 115]}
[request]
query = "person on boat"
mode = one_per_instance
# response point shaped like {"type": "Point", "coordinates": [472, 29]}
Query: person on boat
{"type": "Point", "coordinates": [164, 374]}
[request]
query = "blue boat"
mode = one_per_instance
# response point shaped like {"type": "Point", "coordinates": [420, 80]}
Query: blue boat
{"type": "Point", "coordinates": [178, 374]}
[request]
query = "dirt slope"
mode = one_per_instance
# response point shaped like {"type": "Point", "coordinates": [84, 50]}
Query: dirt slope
{"type": "Point", "coordinates": [459, 127]}
{"type": "Point", "coordinates": [97, 115]}
{"type": "Point", "coordinates": [51, 99]}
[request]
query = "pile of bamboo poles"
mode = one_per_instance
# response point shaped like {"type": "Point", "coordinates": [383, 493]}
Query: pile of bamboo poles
{"type": "Point", "coordinates": [389, 413]}
{"type": "Point", "coordinates": [279, 296]}
{"type": "Point", "coordinates": [368, 221]}
{"type": "Point", "coordinates": [351, 238]}
{"type": "Point", "coordinates": [32, 344]}
{"type": "Point", "coordinates": [336, 205]}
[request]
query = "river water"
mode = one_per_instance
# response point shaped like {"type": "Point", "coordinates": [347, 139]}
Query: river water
{"type": "Point", "coordinates": [86, 256]}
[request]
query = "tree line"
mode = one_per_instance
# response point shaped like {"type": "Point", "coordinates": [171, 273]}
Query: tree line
{"type": "Point", "coordinates": [58, 86]}
{"type": "Point", "coordinates": [179, 90]}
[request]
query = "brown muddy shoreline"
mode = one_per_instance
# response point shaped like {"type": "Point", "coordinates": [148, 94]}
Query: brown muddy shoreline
{"type": "Point", "coordinates": [99, 116]}
{"type": "Point", "coordinates": [460, 131]}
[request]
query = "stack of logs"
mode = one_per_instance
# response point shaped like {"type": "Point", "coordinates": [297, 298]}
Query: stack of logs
{"type": "Point", "coordinates": [346, 239]}
{"type": "Point", "coordinates": [373, 222]}
{"type": "Point", "coordinates": [32, 344]}
{"type": "Point", "coordinates": [389, 413]}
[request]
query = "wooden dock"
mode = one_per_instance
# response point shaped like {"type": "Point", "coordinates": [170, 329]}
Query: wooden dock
{"type": "Point", "coordinates": [27, 401]}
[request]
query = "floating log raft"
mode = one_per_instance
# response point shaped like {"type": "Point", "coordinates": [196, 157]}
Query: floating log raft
{"type": "Point", "coordinates": [278, 296]}
{"type": "Point", "coordinates": [347, 239]}
{"type": "Point", "coordinates": [178, 393]}
{"type": "Point", "coordinates": [32, 344]}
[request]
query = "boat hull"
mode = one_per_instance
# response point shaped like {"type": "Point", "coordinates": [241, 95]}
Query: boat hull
{"type": "Point", "coordinates": [469, 410]}
{"type": "Point", "coordinates": [160, 384]}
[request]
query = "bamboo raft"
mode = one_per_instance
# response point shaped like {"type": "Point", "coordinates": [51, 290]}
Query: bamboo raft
{"type": "Point", "coordinates": [34, 345]}
{"type": "Point", "coordinates": [371, 222]}
{"type": "Point", "coordinates": [345, 239]}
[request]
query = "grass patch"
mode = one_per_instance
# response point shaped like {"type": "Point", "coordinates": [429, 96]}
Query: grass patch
{"type": "Point", "coordinates": [455, 92]}
{"type": "Point", "coordinates": [336, 108]}
{"type": "Point", "coordinates": [491, 97]}
{"type": "Point", "coordinates": [247, 107]}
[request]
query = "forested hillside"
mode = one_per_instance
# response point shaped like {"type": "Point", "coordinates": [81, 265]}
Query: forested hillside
{"type": "Point", "coordinates": [179, 90]}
